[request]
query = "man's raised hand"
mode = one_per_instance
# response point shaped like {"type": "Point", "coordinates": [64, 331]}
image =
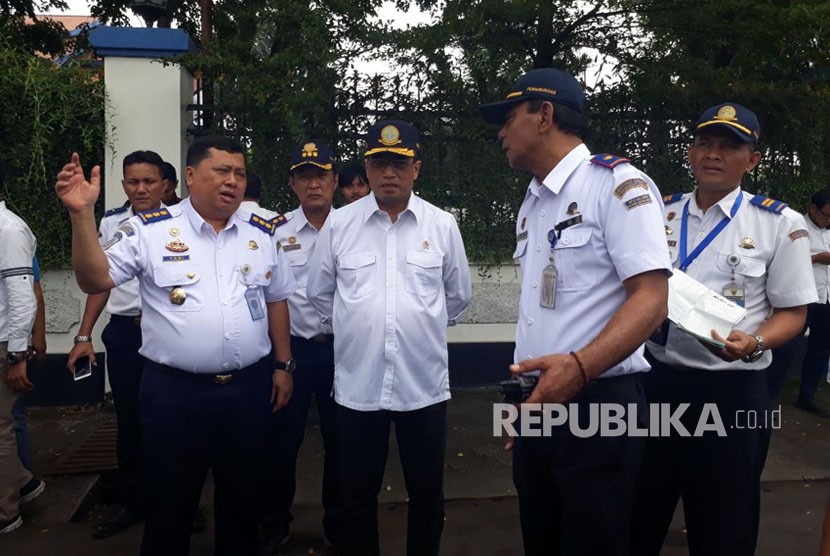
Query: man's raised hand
{"type": "Point", "coordinates": [74, 190]}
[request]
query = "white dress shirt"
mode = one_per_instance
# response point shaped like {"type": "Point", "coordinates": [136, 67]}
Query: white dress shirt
{"type": "Point", "coordinates": [255, 208]}
{"type": "Point", "coordinates": [124, 299]}
{"type": "Point", "coordinates": [391, 289]}
{"type": "Point", "coordinates": [774, 269]}
{"type": "Point", "coordinates": [621, 235]}
{"type": "Point", "coordinates": [819, 243]}
{"type": "Point", "coordinates": [214, 330]}
{"type": "Point", "coordinates": [17, 297]}
{"type": "Point", "coordinates": [296, 238]}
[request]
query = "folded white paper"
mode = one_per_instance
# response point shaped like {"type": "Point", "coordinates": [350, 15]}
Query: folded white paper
{"type": "Point", "coordinates": [697, 310]}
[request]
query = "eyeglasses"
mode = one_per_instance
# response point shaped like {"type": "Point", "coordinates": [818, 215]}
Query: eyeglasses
{"type": "Point", "coordinates": [396, 163]}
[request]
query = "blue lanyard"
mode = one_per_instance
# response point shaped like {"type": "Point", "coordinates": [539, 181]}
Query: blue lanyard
{"type": "Point", "coordinates": [685, 261]}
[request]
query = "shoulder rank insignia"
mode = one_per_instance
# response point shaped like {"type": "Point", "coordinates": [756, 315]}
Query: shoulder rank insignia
{"type": "Point", "coordinates": [768, 204]}
{"type": "Point", "coordinates": [117, 210]}
{"type": "Point", "coordinates": [268, 226]}
{"type": "Point", "coordinates": [609, 160]}
{"type": "Point", "coordinates": [149, 216]}
{"type": "Point", "coordinates": [280, 219]}
{"type": "Point", "coordinates": [669, 199]}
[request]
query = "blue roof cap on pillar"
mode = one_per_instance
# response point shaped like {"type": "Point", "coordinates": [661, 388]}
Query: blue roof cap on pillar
{"type": "Point", "coordinates": [138, 42]}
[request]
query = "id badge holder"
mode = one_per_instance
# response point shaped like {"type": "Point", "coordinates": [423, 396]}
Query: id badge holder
{"type": "Point", "coordinates": [550, 275]}
{"type": "Point", "coordinates": [254, 304]}
{"type": "Point", "coordinates": [735, 293]}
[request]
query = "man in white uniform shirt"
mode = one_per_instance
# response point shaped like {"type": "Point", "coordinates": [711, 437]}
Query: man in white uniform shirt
{"type": "Point", "coordinates": [144, 186]}
{"type": "Point", "coordinates": [313, 178]}
{"type": "Point", "coordinates": [391, 271]}
{"type": "Point", "coordinates": [814, 368]}
{"type": "Point", "coordinates": [17, 314]}
{"type": "Point", "coordinates": [755, 251]}
{"type": "Point", "coordinates": [213, 296]}
{"type": "Point", "coordinates": [253, 194]}
{"type": "Point", "coordinates": [590, 242]}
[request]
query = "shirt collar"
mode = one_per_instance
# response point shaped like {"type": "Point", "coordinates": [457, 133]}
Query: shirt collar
{"type": "Point", "coordinates": [725, 204]}
{"type": "Point", "coordinates": [198, 222]}
{"type": "Point", "coordinates": [415, 205]}
{"type": "Point", "coordinates": [560, 173]}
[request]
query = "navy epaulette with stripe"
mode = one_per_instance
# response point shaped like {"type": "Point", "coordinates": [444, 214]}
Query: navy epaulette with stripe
{"type": "Point", "coordinates": [117, 210]}
{"type": "Point", "coordinates": [768, 204]}
{"type": "Point", "coordinates": [265, 225]}
{"type": "Point", "coordinates": [157, 215]}
{"type": "Point", "coordinates": [609, 160]}
{"type": "Point", "coordinates": [669, 199]}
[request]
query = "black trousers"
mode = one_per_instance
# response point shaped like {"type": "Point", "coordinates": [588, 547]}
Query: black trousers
{"type": "Point", "coordinates": [363, 440]}
{"type": "Point", "coordinates": [192, 423]}
{"type": "Point", "coordinates": [313, 378]}
{"type": "Point", "coordinates": [122, 339]}
{"type": "Point", "coordinates": [575, 494]}
{"type": "Point", "coordinates": [818, 351]}
{"type": "Point", "coordinates": [718, 477]}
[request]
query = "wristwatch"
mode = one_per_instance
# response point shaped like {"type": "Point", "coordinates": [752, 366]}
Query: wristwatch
{"type": "Point", "coordinates": [13, 357]}
{"type": "Point", "coordinates": [760, 346]}
{"type": "Point", "coordinates": [79, 339]}
{"type": "Point", "coordinates": [287, 366]}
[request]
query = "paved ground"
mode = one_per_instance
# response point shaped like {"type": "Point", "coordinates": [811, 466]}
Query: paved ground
{"type": "Point", "coordinates": [481, 509]}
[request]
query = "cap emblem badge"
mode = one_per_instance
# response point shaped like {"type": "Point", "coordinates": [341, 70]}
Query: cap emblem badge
{"type": "Point", "coordinates": [390, 135]}
{"type": "Point", "coordinates": [727, 113]}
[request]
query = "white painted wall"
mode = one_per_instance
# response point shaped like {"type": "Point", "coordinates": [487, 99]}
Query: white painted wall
{"type": "Point", "coordinates": [145, 111]}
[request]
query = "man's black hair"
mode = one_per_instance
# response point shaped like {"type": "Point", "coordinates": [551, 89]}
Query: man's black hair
{"type": "Point", "coordinates": [348, 174]}
{"type": "Point", "coordinates": [169, 172]}
{"type": "Point", "coordinates": [566, 119]}
{"type": "Point", "coordinates": [198, 150]}
{"type": "Point", "coordinates": [254, 188]}
{"type": "Point", "coordinates": [821, 198]}
{"type": "Point", "coordinates": [144, 157]}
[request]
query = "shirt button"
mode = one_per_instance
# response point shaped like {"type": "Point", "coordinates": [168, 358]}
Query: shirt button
{"type": "Point", "coordinates": [534, 284]}
{"type": "Point", "coordinates": [530, 321]}
{"type": "Point", "coordinates": [542, 212]}
{"type": "Point", "coordinates": [566, 241]}
{"type": "Point", "coordinates": [225, 303]}
{"type": "Point", "coordinates": [538, 247]}
{"type": "Point", "coordinates": [695, 261]}
{"type": "Point", "coordinates": [227, 336]}
{"type": "Point", "coordinates": [701, 234]}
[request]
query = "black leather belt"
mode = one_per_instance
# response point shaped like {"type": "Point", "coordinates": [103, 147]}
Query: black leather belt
{"type": "Point", "coordinates": [135, 320]}
{"type": "Point", "coordinates": [216, 378]}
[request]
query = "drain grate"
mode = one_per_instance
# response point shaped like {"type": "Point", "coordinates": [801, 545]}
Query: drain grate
{"type": "Point", "coordinates": [93, 455]}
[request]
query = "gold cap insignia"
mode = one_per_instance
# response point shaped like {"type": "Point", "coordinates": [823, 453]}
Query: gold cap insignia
{"type": "Point", "coordinates": [309, 150]}
{"type": "Point", "coordinates": [727, 113]}
{"type": "Point", "coordinates": [252, 245]}
{"type": "Point", "coordinates": [748, 243]}
{"type": "Point", "coordinates": [390, 135]}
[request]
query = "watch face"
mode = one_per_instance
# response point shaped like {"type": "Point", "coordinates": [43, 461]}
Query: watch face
{"type": "Point", "coordinates": [12, 357]}
{"type": "Point", "coordinates": [290, 365]}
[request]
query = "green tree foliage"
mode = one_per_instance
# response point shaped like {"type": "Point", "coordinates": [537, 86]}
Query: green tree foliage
{"type": "Point", "coordinates": [19, 26]}
{"type": "Point", "coordinates": [48, 112]}
{"type": "Point", "coordinates": [282, 70]}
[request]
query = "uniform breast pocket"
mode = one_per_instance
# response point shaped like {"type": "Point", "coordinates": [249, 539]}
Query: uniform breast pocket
{"type": "Point", "coordinates": [182, 286]}
{"type": "Point", "coordinates": [744, 267]}
{"type": "Point", "coordinates": [424, 273]}
{"type": "Point", "coordinates": [358, 274]}
{"type": "Point", "coordinates": [521, 247]}
{"type": "Point", "coordinates": [298, 262]}
{"type": "Point", "coordinates": [574, 259]}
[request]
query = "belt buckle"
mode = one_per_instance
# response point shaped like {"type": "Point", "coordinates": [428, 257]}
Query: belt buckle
{"type": "Point", "coordinates": [222, 379]}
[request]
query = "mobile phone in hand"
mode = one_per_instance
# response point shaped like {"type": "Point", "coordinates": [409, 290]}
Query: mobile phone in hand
{"type": "Point", "coordinates": [83, 368]}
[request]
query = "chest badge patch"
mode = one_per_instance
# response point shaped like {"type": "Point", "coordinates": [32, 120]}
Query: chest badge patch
{"type": "Point", "coordinates": [748, 243]}
{"type": "Point", "coordinates": [252, 245]}
{"type": "Point", "coordinates": [177, 246]}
